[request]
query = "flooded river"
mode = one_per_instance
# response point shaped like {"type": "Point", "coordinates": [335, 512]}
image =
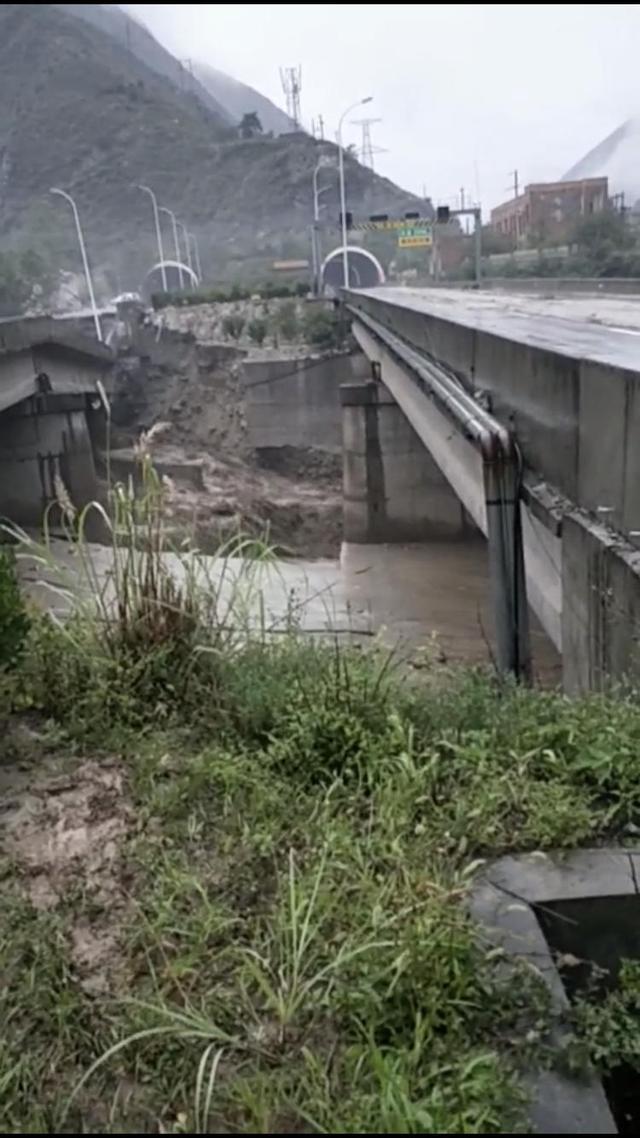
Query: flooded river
{"type": "Point", "coordinates": [433, 596]}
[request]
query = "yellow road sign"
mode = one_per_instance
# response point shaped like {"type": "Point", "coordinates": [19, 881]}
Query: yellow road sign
{"type": "Point", "coordinates": [424, 242]}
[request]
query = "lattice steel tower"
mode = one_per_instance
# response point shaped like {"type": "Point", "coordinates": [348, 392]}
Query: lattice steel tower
{"type": "Point", "coordinates": [291, 79]}
{"type": "Point", "coordinates": [367, 149]}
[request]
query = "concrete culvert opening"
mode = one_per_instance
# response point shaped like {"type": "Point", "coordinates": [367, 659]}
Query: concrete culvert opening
{"type": "Point", "coordinates": [365, 271]}
{"type": "Point", "coordinates": [590, 938]}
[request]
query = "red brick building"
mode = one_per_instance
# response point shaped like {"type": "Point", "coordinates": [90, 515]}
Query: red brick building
{"type": "Point", "coordinates": [546, 212]}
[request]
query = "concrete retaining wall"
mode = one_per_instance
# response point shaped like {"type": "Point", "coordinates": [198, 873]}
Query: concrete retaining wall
{"type": "Point", "coordinates": [601, 606]}
{"type": "Point", "coordinates": [296, 403]}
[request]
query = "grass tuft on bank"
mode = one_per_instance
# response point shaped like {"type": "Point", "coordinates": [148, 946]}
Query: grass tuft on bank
{"type": "Point", "coordinates": [235, 869]}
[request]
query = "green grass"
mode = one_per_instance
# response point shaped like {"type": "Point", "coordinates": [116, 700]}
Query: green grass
{"type": "Point", "coordinates": [296, 943]}
{"type": "Point", "coordinates": [292, 949]}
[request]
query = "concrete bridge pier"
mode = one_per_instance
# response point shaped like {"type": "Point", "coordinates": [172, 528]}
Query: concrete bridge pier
{"type": "Point", "coordinates": [50, 410]}
{"type": "Point", "coordinates": [393, 491]}
{"type": "Point", "coordinates": [41, 439]}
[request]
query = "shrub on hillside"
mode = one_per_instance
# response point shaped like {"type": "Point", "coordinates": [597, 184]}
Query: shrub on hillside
{"type": "Point", "coordinates": [232, 325]}
{"type": "Point", "coordinates": [287, 321]}
{"type": "Point", "coordinates": [325, 330]}
{"type": "Point", "coordinates": [257, 330]}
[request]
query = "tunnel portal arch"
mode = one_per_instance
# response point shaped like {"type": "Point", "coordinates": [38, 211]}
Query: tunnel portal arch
{"type": "Point", "coordinates": [153, 278]}
{"type": "Point", "coordinates": [365, 270]}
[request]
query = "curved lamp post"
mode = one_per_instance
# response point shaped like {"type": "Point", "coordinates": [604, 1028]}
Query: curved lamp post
{"type": "Point", "coordinates": [345, 255]}
{"type": "Point", "coordinates": [176, 243]}
{"type": "Point", "coordinates": [156, 218]}
{"type": "Point", "coordinates": [187, 245]}
{"type": "Point", "coordinates": [67, 197]}
{"type": "Point", "coordinates": [323, 162]}
{"type": "Point", "coordinates": [196, 251]}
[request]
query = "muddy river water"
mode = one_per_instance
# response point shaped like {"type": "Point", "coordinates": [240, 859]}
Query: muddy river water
{"type": "Point", "coordinates": [433, 596]}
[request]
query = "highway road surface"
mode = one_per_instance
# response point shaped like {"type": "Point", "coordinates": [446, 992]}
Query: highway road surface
{"type": "Point", "coordinates": [594, 327]}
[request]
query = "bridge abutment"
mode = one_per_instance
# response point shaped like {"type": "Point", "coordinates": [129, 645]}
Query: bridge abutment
{"type": "Point", "coordinates": [41, 438]}
{"type": "Point", "coordinates": [393, 489]}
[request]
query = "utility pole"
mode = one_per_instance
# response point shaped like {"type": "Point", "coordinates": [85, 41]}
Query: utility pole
{"type": "Point", "coordinates": [477, 241]}
{"type": "Point", "coordinates": [516, 194]}
{"type": "Point", "coordinates": [461, 197]}
{"type": "Point", "coordinates": [321, 128]}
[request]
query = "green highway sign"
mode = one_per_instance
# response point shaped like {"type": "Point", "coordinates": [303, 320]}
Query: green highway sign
{"type": "Point", "coordinates": [414, 237]}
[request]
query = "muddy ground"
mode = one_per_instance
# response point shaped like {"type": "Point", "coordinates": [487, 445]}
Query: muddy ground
{"type": "Point", "coordinates": [218, 484]}
{"type": "Point", "coordinates": [62, 825]}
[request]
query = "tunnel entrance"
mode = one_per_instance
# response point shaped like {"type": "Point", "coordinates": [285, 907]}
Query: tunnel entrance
{"type": "Point", "coordinates": [365, 271]}
{"type": "Point", "coordinates": [177, 275]}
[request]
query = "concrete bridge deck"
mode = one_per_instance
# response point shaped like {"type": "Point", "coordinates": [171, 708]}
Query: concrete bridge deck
{"type": "Point", "coordinates": [562, 378]}
{"type": "Point", "coordinates": [605, 329]}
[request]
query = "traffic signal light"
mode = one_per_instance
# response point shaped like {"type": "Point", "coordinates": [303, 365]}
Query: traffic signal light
{"type": "Point", "coordinates": [349, 219]}
{"type": "Point", "coordinates": [442, 213]}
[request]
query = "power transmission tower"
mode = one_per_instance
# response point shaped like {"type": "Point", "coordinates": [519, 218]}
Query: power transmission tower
{"type": "Point", "coordinates": [291, 79]}
{"type": "Point", "coordinates": [367, 149]}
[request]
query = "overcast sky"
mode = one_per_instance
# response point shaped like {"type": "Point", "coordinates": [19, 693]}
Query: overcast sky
{"type": "Point", "coordinates": [466, 92]}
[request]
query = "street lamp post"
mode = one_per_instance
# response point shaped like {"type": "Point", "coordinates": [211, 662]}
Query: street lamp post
{"type": "Point", "coordinates": [196, 250]}
{"type": "Point", "coordinates": [187, 246]}
{"type": "Point", "coordinates": [176, 243]}
{"type": "Point", "coordinates": [96, 319]}
{"type": "Point", "coordinates": [321, 164]}
{"type": "Point", "coordinates": [343, 205]}
{"type": "Point", "coordinates": [156, 218]}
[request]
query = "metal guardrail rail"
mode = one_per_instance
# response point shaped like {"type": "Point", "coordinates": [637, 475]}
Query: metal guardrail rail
{"type": "Point", "coordinates": [502, 477]}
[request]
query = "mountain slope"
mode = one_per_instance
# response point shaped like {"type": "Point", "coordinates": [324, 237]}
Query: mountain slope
{"type": "Point", "coordinates": [79, 111]}
{"type": "Point", "coordinates": [139, 42]}
{"type": "Point", "coordinates": [223, 94]}
{"type": "Point", "coordinates": [239, 99]}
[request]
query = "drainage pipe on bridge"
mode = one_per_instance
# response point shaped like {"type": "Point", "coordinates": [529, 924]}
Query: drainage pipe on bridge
{"type": "Point", "coordinates": [502, 476]}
